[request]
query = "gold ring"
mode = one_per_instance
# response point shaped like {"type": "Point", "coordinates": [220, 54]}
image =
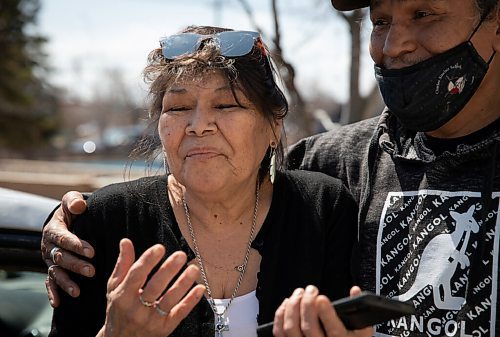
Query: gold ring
{"type": "Point", "coordinates": [146, 303]}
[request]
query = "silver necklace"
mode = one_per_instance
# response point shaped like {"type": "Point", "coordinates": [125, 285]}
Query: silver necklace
{"type": "Point", "coordinates": [220, 324]}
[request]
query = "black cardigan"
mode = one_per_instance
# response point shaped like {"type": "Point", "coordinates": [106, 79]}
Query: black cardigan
{"type": "Point", "coordinates": [306, 238]}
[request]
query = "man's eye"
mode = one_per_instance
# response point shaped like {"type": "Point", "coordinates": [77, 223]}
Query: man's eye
{"type": "Point", "coordinates": [421, 14]}
{"type": "Point", "coordinates": [379, 22]}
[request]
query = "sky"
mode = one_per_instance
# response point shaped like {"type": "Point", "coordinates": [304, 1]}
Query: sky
{"type": "Point", "coordinates": [88, 39]}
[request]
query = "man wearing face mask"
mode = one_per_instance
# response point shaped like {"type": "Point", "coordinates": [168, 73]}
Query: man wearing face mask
{"type": "Point", "coordinates": [426, 173]}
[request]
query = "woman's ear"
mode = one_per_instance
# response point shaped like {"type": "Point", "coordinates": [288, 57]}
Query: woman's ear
{"type": "Point", "coordinates": [277, 128]}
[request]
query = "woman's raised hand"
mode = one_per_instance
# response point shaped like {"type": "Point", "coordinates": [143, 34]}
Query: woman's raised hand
{"type": "Point", "coordinates": [139, 309]}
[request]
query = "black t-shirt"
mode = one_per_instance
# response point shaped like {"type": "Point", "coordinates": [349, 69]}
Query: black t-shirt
{"type": "Point", "coordinates": [441, 145]}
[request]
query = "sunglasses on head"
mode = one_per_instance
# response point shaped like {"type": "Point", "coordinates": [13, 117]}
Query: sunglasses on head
{"type": "Point", "coordinates": [230, 43]}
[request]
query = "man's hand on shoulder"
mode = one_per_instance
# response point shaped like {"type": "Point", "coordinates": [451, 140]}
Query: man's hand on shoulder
{"type": "Point", "coordinates": [60, 248]}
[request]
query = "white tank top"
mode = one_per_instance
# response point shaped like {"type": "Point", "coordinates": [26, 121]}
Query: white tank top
{"type": "Point", "coordinates": [241, 315]}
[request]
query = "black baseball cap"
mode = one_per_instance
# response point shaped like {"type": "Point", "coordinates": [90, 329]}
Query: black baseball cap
{"type": "Point", "coordinates": [349, 5]}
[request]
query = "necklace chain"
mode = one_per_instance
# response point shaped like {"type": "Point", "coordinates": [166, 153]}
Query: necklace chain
{"type": "Point", "coordinates": [241, 268]}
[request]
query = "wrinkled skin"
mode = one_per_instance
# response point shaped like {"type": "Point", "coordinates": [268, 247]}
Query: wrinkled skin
{"type": "Point", "coordinates": [126, 316]}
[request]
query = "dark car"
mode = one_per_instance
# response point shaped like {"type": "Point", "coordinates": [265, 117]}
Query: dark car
{"type": "Point", "coordinates": [24, 308]}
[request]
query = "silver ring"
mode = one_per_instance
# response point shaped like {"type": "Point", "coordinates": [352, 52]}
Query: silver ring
{"type": "Point", "coordinates": [50, 271]}
{"type": "Point", "coordinates": [160, 311]}
{"type": "Point", "coordinates": [146, 303]}
{"type": "Point", "coordinates": [53, 252]}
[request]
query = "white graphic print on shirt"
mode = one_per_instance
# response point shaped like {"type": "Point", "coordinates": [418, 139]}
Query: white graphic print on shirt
{"type": "Point", "coordinates": [435, 249]}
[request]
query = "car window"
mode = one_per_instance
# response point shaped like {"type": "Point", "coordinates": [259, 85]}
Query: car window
{"type": "Point", "coordinates": [24, 308]}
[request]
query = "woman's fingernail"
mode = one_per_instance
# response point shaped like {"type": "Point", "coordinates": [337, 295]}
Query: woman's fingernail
{"type": "Point", "coordinates": [158, 249]}
{"type": "Point", "coordinates": [179, 258]}
{"type": "Point", "coordinates": [70, 291]}
{"type": "Point", "coordinates": [192, 272]}
{"type": "Point", "coordinates": [298, 292]}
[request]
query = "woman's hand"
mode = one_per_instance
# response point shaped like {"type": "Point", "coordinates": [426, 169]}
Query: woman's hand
{"type": "Point", "coordinates": [56, 234]}
{"type": "Point", "coordinates": [306, 313]}
{"type": "Point", "coordinates": [136, 309]}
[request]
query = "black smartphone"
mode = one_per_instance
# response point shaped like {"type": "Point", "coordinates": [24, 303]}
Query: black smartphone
{"type": "Point", "coordinates": [361, 311]}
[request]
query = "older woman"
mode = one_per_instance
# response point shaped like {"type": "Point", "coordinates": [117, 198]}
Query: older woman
{"type": "Point", "coordinates": [249, 233]}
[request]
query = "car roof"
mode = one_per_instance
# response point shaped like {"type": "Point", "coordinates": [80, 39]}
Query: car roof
{"type": "Point", "coordinates": [24, 211]}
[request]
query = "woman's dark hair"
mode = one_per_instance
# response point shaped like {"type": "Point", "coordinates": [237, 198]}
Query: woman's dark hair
{"type": "Point", "coordinates": [486, 7]}
{"type": "Point", "coordinates": [253, 74]}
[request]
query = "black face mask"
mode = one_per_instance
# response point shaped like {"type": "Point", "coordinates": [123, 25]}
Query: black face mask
{"type": "Point", "coordinates": [425, 96]}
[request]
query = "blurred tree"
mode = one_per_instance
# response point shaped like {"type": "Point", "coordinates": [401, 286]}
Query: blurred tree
{"type": "Point", "coordinates": [357, 104]}
{"type": "Point", "coordinates": [301, 119]}
{"type": "Point", "coordinates": [28, 105]}
{"type": "Point", "coordinates": [303, 113]}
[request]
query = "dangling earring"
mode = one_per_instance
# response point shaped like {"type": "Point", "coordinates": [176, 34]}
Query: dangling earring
{"type": "Point", "coordinates": [272, 166]}
{"type": "Point", "coordinates": [165, 165]}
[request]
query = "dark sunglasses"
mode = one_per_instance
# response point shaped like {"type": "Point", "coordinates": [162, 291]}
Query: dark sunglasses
{"type": "Point", "coordinates": [230, 43]}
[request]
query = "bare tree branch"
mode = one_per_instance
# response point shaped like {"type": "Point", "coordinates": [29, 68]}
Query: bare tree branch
{"type": "Point", "coordinates": [248, 10]}
{"type": "Point", "coordinates": [298, 111]}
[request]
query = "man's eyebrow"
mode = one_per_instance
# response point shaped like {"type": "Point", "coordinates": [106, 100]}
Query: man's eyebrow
{"type": "Point", "coordinates": [376, 3]}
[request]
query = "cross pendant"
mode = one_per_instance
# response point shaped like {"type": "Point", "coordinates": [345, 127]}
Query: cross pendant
{"type": "Point", "coordinates": [220, 326]}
